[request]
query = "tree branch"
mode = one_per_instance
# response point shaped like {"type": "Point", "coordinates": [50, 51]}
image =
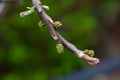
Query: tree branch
{"type": "Point", "coordinates": [57, 37]}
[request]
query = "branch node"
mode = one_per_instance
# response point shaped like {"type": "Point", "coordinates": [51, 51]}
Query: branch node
{"type": "Point", "coordinates": [54, 36]}
{"type": "Point", "coordinates": [80, 53]}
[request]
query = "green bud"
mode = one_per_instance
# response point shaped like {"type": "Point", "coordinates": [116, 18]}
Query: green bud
{"type": "Point", "coordinates": [28, 12]}
{"type": "Point", "coordinates": [31, 8]}
{"type": "Point", "coordinates": [57, 24]}
{"type": "Point", "coordinates": [45, 7]}
{"type": "Point", "coordinates": [89, 52]}
{"type": "Point", "coordinates": [41, 24]}
{"type": "Point", "coordinates": [60, 48]}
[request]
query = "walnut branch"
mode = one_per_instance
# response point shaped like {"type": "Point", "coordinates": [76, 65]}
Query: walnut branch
{"type": "Point", "coordinates": [56, 36]}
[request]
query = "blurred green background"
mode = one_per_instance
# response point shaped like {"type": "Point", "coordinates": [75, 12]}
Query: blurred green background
{"type": "Point", "coordinates": [28, 52]}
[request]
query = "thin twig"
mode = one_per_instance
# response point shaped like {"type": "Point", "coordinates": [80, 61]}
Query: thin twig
{"type": "Point", "coordinates": [56, 36]}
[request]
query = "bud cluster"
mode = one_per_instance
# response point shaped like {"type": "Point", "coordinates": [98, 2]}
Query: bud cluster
{"type": "Point", "coordinates": [57, 24]}
{"type": "Point", "coordinates": [60, 48]}
{"type": "Point", "coordinates": [89, 52]}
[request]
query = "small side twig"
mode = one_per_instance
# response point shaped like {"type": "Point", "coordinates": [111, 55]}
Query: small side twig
{"type": "Point", "coordinates": [56, 36]}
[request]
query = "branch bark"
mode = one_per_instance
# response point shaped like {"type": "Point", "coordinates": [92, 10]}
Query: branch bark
{"type": "Point", "coordinates": [57, 37]}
